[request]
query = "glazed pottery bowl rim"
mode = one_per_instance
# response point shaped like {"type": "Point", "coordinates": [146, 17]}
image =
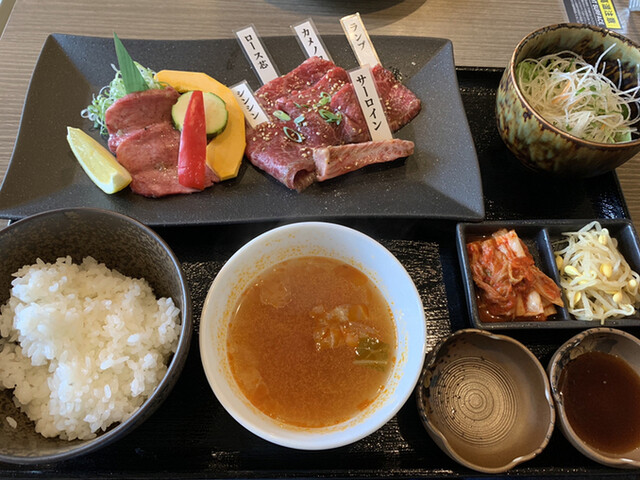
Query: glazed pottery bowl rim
{"type": "Point", "coordinates": [174, 367]}
{"type": "Point", "coordinates": [543, 121]}
{"type": "Point", "coordinates": [446, 445]}
{"type": "Point", "coordinates": [288, 241]}
{"type": "Point", "coordinates": [611, 460]}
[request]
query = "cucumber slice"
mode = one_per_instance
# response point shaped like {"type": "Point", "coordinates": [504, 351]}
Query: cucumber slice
{"type": "Point", "coordinates": [215, 111]}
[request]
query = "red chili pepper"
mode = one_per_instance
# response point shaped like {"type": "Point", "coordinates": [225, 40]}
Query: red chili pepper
{"type": "Point", "coordinates": [193, 144]}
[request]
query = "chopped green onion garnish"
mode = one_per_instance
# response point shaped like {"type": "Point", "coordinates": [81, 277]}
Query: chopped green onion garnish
{"type": "Point", "coordinates": [329, 116]}
{"type": "Point", "coordinates": [299, 119]}
{"type": "Point", "coordinates": [293, 135]}
{"type": "Point", "coordinates": [324, 99]}
{"type": "Point", "coordinates": [280, 115]}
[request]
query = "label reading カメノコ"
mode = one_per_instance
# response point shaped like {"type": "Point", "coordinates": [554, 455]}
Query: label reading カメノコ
{"type": "Point", "coordinates": [310, 40]}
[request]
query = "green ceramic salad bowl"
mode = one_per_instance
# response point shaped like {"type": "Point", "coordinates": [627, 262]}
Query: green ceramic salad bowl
{"type": "Point", "coordinates": [537, 143]}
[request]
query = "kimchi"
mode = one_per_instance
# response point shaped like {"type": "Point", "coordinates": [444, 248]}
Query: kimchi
{"type": "Point", "coordinates": [511, 287]}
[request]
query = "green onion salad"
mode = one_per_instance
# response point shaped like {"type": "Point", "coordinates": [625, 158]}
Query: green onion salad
{"type": "Point", "coordinates": [112, 92]}
{"type": "Point", "coordinates": [576, 97]}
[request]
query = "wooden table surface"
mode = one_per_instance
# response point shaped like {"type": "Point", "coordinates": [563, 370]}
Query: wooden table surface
{"type": "Point", "coordinates": [483, 34]}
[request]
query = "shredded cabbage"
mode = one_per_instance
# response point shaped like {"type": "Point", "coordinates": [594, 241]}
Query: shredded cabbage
{"type": "Point", "coordinates": [112, 92]}
{"type": "Point", "coordinates": [578, 98]}
{"type": "Point", "coordinates": [597, 280]}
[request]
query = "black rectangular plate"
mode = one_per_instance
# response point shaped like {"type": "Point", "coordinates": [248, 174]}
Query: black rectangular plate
{"type": "Point", "coordinates": [440, 180]}
{"type": "Point", "coordinates": [541, 238]}
{"type": "Point", "coordinates": [192, 436]}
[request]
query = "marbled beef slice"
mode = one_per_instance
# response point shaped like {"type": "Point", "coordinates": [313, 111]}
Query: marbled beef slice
{"type": "Point", "coordinates": [333, 161]}
{"type": "Point", "coordinates": [319, 153]}
{"type": "Point", "coordinates": [289, 162]}
{"type": "Point", "coordinates": [301, 77]}
{"type": "Point", "coordinates": [329, 84]}
{"type": "Point", "coordinates": [400, 104]}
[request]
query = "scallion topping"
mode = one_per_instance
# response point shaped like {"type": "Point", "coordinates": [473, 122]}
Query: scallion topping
{"type": "Point", "coordinates": [299, 119]}
{"type": "Point", "coordinates": [293, 135]}
{"type": "Point", "coordinates": [329, 116]}
{"type": "Point", "coordinates": [324, 99]}
{"type": "Point", "coordinates": [280, 115]}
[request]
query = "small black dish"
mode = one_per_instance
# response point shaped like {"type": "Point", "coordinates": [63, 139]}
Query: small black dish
{"type": "Point", "coordinates": [543, 237]}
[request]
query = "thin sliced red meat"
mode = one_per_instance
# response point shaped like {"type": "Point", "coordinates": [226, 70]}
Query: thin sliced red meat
{"type": "Point", "coordinates": [400, 104]}
{"type": "Point", "coordinates": [333, 161]}
{"type": "Point", "coordinates": [151, 157]}
{"type": "Point", "coordinates": [315, 130]}
{"type": "Point", "coordinates": [298, 94]}
{"type": "Point", "coordinates": [301, 77]}
{"type": "Point", "coordinates": [353, 126]}
{"type": "Point", "coordinates": [329, 84]}
{"type": "Point", "coordinates": [287, 161]}
{"type": "Point", "coordinates": [138, 110]}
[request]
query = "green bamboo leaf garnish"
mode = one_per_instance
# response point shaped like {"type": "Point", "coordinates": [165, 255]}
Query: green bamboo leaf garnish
{"type": "Point", "coordinates": [131, 76]}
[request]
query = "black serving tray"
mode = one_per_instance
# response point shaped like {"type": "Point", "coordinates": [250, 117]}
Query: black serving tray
{"type": "Point", "coordinates": [543, 238]}
{"type": "Point", "coordinates": [440, 180]}
{"type": "Point", "coordinates": [192, 436]}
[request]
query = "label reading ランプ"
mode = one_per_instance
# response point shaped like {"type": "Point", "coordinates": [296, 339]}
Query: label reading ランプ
{"type": "Point", "coordinates": [359, 40]}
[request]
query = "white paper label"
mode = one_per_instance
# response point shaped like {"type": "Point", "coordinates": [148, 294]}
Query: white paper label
{"type": "Point", "coordinates": [365, 88]}
{"type": "Point", "coordinates": [309, 40]}
{"type": "Point", "coordinates": [359, 40]}
{"type": "Point", "coordinates": [252, 110]}
{"type": "Point", "coordinates": [257, 54]}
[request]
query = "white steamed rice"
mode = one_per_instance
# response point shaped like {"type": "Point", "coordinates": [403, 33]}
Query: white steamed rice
{"type": "Point", "coordinates": [83, 346]}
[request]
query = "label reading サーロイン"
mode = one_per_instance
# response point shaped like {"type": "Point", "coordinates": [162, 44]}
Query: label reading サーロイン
{"type": "Point", "coordinates": [252, 110]}
{"type": "Point", "coordinates": [365, 89]}
{"type": "Point", "coordinates": [309, 40]}
{"type": "Point", "coordinates": [257, 54]}
{"type": "Point", "coordinates": [359, 40]}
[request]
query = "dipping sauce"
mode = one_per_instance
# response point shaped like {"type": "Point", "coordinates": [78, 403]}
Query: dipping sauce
{"type": "Point", "coordinates": [312, 342]}
{"type": "Point", "coordinates": [601, 396]}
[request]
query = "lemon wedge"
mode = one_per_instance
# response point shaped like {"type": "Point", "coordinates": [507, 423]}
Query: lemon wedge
{"type": "Point", "coordinates": [101, 166]}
